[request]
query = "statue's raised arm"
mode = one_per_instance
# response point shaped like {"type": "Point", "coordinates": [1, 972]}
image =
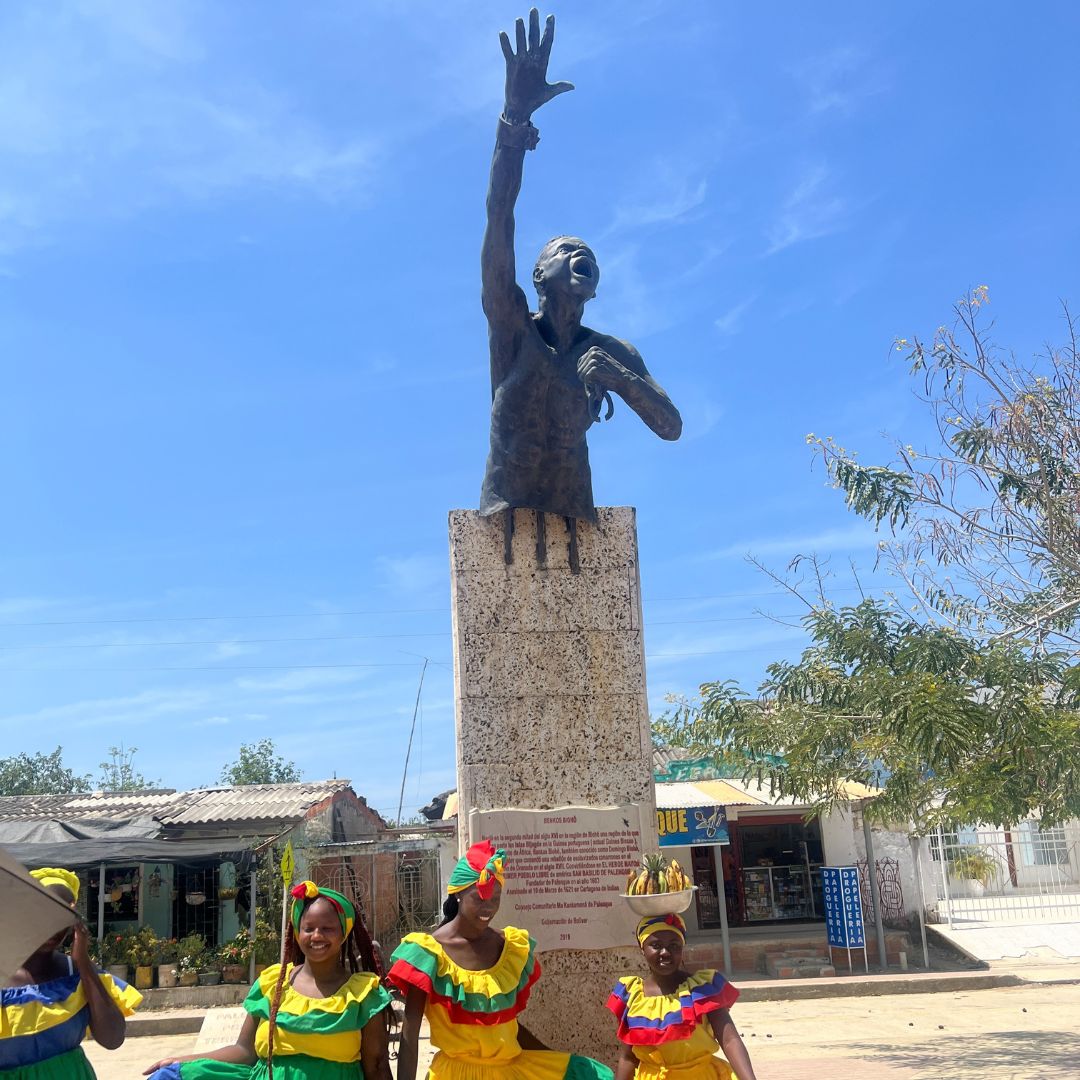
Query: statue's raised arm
{"type": "Point", "coordinates": [527, 89]}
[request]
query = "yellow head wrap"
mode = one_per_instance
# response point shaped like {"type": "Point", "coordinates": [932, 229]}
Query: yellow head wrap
{"type": "Point", "coordinates": [653, 924]}
{"type": "Point", "coordinates": [52, 875]}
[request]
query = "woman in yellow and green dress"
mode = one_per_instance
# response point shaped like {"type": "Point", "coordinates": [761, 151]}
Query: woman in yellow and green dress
{"type": "Point", "coordinates": [53, 999]}
{"type": "Point", "coordinates": [317, 1017]}
{"type": "Point", "coordinates": [672, 1022]}
{"type": "Point", "coordinates": [472, 982]}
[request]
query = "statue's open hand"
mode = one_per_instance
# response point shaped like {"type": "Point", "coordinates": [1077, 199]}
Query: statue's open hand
{"type": "Point", "coordinates": [597, 368]}
{"type": "Point", "coordinates": [527, 87]}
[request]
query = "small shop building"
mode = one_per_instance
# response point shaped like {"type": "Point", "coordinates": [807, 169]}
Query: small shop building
{"type": "Point", "coordinates": [177, 861]}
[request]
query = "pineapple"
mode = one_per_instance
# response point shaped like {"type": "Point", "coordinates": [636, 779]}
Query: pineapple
{"type": "Point", "coordinates": [656, 867]}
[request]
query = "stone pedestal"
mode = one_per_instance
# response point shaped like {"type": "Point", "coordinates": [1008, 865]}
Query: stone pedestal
{"type": "Point", "coordinates": [551, 711]}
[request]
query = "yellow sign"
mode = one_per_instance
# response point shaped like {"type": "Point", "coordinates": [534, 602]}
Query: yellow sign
{"type": "Point", "coordinates": [288, 864]}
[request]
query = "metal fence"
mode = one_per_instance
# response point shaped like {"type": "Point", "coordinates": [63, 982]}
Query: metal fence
{"type": "Point", "coordinates": [1024, 874]}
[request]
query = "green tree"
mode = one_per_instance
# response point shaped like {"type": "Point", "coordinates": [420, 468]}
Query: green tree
{"type": "Point", "coordinates": [259, 763]}
{"type": "Point", "coordinates": [959, 697]}
{"type": "Point", "coordinates": [984, 524]}
{"type": "Point", "coordinates": [39, 774]}
{"type": "Point", "coordinates": [120, 774]}
{"type": "Point", "coordinates": [951, 729]}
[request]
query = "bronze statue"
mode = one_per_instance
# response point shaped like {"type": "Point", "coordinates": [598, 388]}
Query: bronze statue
{"type": "Point", "coordinates": [550, 374]}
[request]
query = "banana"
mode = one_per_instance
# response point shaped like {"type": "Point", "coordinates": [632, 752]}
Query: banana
{"type": "Point", "coordinates": [630, 880]}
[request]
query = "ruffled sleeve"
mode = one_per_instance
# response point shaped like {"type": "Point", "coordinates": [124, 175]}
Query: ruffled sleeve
{"type": "Point", "coordinates": [648, 1020]}
{"type": "Point", "coordinates": [492, 996]}
{"type": "Point", "coordinates": [127, 998]}
{"type": "Point", "coordinates": [349, 1009]}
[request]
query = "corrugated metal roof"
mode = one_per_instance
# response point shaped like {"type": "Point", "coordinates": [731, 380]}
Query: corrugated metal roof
{"type": "Point", "coordinates": [104, 805]}
{"type": "Point", "coordinates": [677, 796]}
{"type": "Point", "coordinates": [252, 802]}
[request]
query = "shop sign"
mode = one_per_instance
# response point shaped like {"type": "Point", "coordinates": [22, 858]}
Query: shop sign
{"type": "Point", "coordinates": [843, 907]}
{"type": "Point", "coordinates": [692, 826]}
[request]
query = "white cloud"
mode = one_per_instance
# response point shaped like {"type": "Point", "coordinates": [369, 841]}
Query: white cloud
{"type": "Point", "coordinates": [415, 573]}
{"type": "Point", "coordinates": [731, 320]}
{"type": "Point", "coordinates": [302, 679]}
{"type": "Point", "coordinates": [212, 721]}
{"type": "Point", "coordinates": [810, 212]}
{"type": "Point", "coordinates": [107, 108]}
{"type": "Point", "coordinates": [670, 196]}
{"type": "Point", "coordinates": [117, 712]}
{"type": "Point", "coordinates": [840, 80]}
{"type": "Point", "coordinates": [856, 536]}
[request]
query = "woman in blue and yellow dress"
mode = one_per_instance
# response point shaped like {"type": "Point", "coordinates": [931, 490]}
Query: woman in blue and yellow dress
{"type": "Point", "coordinates": [672, 1022]}
{"type": "Point", "coordinates": [53, 999]}
{"type": "Point", "coordinates": [472, 982]}
{"type": "Point", "coordinates": [317, 1017]}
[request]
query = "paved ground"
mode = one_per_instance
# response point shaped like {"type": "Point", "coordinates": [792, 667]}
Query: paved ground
{"type": "Point", "coordinates": [1015, 1033]}
{"type": "Point", "coordinates": [1035, 941]}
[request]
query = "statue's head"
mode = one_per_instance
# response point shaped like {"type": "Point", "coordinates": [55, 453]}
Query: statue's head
{"type": "Point", "coordinates": [567, 265]}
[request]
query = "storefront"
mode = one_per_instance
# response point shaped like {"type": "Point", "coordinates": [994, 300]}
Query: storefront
{"type": "Point", "coordinates": [694, 834]}
{"type": "Point", "coordinates": [752, 862]}
{"type": "Point", "coordinates": [775, 863]}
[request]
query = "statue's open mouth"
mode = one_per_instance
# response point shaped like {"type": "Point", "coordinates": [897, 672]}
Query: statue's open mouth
{"type": "Point", "coordinates": [582, 267]}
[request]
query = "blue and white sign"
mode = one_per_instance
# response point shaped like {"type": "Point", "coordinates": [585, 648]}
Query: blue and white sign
{"type": "Point", "coordinates": [843, 907]}
{"type": "Point", "coordinates": [692, 825]}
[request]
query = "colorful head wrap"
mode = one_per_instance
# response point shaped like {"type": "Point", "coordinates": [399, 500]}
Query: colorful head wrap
{"type": "Point", "coordinates": [308, 890]}
{"type": "Point", "coordinates": [482, 865]}
{"type": "Point", "coordinates": [651, 924]}
{"type": "Point", "coordinates": [53, 875]}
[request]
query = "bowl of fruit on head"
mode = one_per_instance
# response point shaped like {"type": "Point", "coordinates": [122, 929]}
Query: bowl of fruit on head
{"type": "Point", "coordinates": [658, 887]}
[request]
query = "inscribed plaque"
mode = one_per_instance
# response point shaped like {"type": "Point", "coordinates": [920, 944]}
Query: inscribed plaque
{"type": "Point", "coordinates": [565, 871]}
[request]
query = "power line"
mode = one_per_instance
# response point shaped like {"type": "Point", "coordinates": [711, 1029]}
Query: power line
{"type": "Point", "coordinates": [336, 637]}
{"type": "Point", "coordinates": [229, 641]}
{"type": "Point", "coordinates": [228, 667]}
{"type": "Point", "coordinates": [372, 611]}
{"type": "Point", "coordinates": [224, 618]}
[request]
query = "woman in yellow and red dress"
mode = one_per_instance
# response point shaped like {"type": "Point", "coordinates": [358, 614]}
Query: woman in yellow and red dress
{"type": "Point", "coordinates": [472, 982]}
{"type": "Point", "coordinates": [672, 1021]}
{"type": "Point", "coordinates": [53, 999]}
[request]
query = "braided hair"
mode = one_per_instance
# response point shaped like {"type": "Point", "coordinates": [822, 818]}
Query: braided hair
{"type": "Point", "coordinates": [450, 908]}
{"type": "Point", "coordinates": [357, 954]}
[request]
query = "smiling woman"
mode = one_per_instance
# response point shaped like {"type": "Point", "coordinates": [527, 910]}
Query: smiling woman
{"type": "Point", "coordinates": [472, 982]}
{"type": "Point", "coordinates": [316, 1017]}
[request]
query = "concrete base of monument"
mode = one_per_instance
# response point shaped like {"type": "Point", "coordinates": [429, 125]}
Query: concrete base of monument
{"type": "Point", "coordinates": [566, 1010]}
{"type": "Point", "coordinates": [552, 712]}
{"type": "Point", "coordinates": [549, 664]}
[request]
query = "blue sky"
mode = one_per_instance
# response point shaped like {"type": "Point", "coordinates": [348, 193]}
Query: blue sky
{"type": "Point", "coordinates": [245, 366]}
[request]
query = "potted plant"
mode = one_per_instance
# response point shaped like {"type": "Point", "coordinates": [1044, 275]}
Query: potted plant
{"type": "Point", "coordinates": [973, 868]}
{"type": "Point", "coordinates": [208, 974]}
{"type": "Point", "coordinates": [141, 953]}
{"type": "Point", "coordinates": [190, 951]}
{"type": "Point", "coordinates": [168, 956]}
{"type": "Point", "coordinates": [267, 946]}
{"type": "Point", "coordinates": [234, 956]}
{"type": "Point", "coordinates": [114, 954]}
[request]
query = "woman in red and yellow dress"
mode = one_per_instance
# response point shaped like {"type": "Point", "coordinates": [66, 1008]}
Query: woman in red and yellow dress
{"type": "Point", "coordinates": [472, 982]}
{"type": "Point", "coordinates": [672, 1022]}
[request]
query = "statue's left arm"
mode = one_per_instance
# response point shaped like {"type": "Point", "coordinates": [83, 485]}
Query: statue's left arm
{"type": "Point", "coordinates": [618, 367]}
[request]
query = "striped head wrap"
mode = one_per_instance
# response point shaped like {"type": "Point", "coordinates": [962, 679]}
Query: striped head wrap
{"type": "Point", "coordinates": [652, 924]}
{"type": "Point", "coordinates": [307, 891]}
{"type": "Point", "coordinates": [482, 865]}
{"type": "Point", "coordinates": [53, 875]}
